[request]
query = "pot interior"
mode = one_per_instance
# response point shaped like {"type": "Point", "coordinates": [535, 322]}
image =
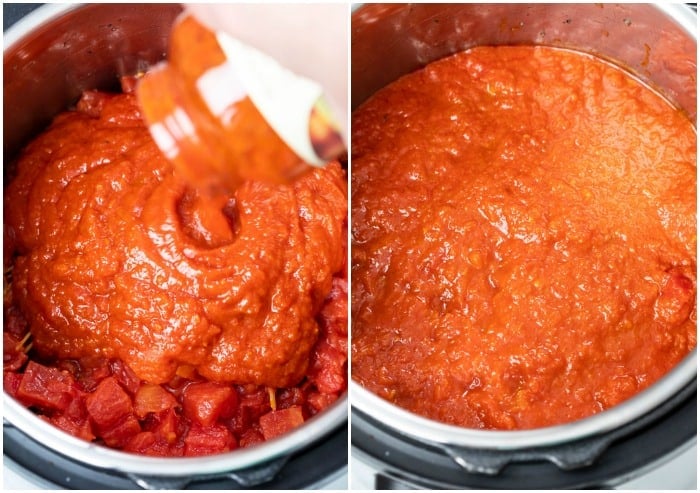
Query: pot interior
{"type": "Point", "coordinates": [50, 57]}
{"type": "Point", "coordinates": [657, 43]}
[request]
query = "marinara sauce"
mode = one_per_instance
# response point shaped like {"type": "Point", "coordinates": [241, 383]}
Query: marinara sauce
{"type": "Point", "coordinates": [523, 238]}
{"type": "Point", "coordinates": [158, 317]}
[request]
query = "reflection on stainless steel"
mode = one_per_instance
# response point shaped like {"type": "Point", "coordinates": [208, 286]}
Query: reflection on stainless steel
{"type": "Point", "coordinates": [656, 42]}
{"type": "Point", "coordinates": [47, 69]}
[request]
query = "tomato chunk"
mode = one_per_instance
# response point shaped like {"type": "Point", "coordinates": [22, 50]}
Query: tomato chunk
{"type": "Point", "coordinates": [152, 398]}
{"type": "Point", "coordinates": [168, 424]}
{"type": "Point", "coordinates": [11, 381]}
{"type": "Point", "coordinates": [125, 375]}
{"type": "Point", "coordinates": [108, 404]}
{"type": "Point", "coordinates": [334, 314]}
{"type": "Point", "coordinates": [148, 443]}
{"type": "Point", "coordinates": [213, 439]}
{"type": "Point", "coordinates": [318, 402]}
{"type": "Point", "coordinates": [251, 437]}
{"type": "Point", "coordinates": [327, 369]}
{"type": "Point", "coordinates": [91, 371]}
{"type": "Point", "coordinates": [205, 402]}
{"type": "Point", "coordinates": [276, 423]}
{"type": "Point", "coordinates": [119, 434]}
{"type": "Point", "coordinates": [77, 427]}
{"type": "Point", "coordinates": [47, 388]}
{"type": "Point", "coordinates": [293, 396]}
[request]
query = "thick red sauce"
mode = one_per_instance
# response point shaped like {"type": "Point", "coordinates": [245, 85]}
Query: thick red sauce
{"type": "Point", "coordinates": [165, 320]}
{"type": "Point", "coordinates": [523, 238]}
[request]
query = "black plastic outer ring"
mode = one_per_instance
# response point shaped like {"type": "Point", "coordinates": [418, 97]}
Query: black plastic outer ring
{"type": "Point", "coordinates": [15, 11]}
{"type": "Point", "coordinates": [404, 462]}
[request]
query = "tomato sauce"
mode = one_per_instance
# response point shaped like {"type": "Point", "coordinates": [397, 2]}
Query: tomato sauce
{"type": "Point", "coordinates": [523, 238]}
{"type": "Point", "coordinates": [160, 318]}
{"type": "Point", "coordinates": [117, 256]}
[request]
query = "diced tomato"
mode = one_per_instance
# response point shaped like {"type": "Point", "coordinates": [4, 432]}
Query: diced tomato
{"type": "Point", "coordinates": [213, 439]}
{"type": "Point", "coordinates": [14, 360]}
{"type": "Point", "coordinates": [152, 398]}
{"type": "Point", "coordinates": [76, 409]}
{"type": "Point", "coordinates": [77, 428]}
{"type": "Point", "coordinates": [169, 427]}
{"type": "Point", "coordinates": [168, 424]}
{"type": "Point", "coordinates": [241, 421]}
{"type": "Point", "coordinates": [91, 371]}
{"type": "Point", "coordinates": [327, 369]}
{"type": "Point", "coordinates": [293, 396]}
{"type": "Point", "coordinates": [334, 313]}
{"type": "Point", "coordinates": [112, 412]}
{"type": "Point", "coordinates": [11, 381]}
{"type": "Point", "coordinates": [95, 398]}
{"type": "Point", "coordinates": [318, 401]}
{"type": "Point", "coordinates": [339, 342]}
{"type": "Point", "coordinates": [276, 423]}
{"type": "Point", "coordinates": [254, 402]}
{"type": "Point", "coordinates": [47, 388]}
{"type": "Point", "coordinates": [205, 402]}
{"type": "Point", "coordinates": [148, 443]}
{"type": "Point", "coordinates": [119, 434]}
{"type": "Point", "coordinates": [109, 404]}
{"type": "Point", "coordinates": [125, 375]}
{"type": "Point", "coordinates": [251, 437]}
{"type": "Point", "coordinates": [256, 399]}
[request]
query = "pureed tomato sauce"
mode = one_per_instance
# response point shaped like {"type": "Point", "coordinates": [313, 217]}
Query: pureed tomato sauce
{"type": "Point", "coordinates": [523, 238]}
{"type": "Point", "coordinates": [160, 319]}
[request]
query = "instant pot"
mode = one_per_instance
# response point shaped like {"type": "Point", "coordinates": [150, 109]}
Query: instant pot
{"type": "Point", "coordinates": [51, 55]}
{"type": "Point", "coordinates": [394, 448]}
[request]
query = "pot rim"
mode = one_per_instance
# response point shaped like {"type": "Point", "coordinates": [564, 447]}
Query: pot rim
{"type": "Point", "coordinates": [33, 20]}
{"type": "Point", "coordinates": [682, 14]}
{"type": "Point", "coordinates": [409, 423]}
{"type": "Point", "coordinates": [18, 416]}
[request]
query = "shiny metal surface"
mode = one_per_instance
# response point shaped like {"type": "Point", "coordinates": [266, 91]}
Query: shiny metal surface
{"type": "Point", "coordinates": [59, 50]}
{"type": "Point", "coordinates": [50, 57]}
{"type": "Point", "coordinates": [656, 42]}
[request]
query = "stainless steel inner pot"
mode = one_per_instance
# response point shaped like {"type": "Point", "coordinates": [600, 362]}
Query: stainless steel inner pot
{"type": "Point", "coordinates": [50, 57]}
{"type": "Point", "coordinates": [656, 42]}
